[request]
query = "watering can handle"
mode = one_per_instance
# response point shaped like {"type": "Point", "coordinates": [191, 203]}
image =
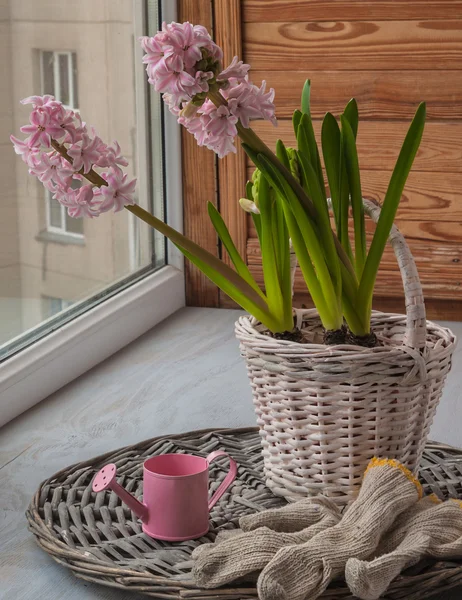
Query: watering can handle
{"type": "Point", "coordinates": [228, 480]}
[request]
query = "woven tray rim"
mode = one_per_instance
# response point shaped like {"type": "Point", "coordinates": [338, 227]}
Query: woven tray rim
{"type": "Point", "coordinates": [443, 575]}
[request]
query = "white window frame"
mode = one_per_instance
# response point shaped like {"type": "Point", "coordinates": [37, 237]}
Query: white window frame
{"type": "Point", "coordinates": [40, 369]}
{"type": "Point", "coordinates": [57, 75]}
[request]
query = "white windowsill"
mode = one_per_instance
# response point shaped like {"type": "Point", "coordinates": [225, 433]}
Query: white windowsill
{"type": "Point", "coordinates": [60, 238]}
{"type": "Point", "coordinates": [37, 371]}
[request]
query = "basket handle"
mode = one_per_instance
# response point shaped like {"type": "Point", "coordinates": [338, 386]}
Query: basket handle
{"type": "Point", "coordinates": [416, 325]}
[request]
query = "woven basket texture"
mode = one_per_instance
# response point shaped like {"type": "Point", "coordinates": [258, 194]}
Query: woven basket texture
{"type": "Point", "coordinates": [101, 540]}
{"type": "Point", "coordinates": [325, 411]}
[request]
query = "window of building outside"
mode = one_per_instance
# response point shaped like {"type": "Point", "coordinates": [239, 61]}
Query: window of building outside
{"type": "Point", "coordinates": [85, 54]}
{"type": "Point", "coordinates": [58, 77]}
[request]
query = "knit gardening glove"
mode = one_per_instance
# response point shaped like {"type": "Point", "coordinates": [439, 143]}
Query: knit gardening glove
{"type": "Point", "coordinates": [292, 517]}
{"type": "Point", "coordinates": [303, 572]}
{"type": "Point", "coordinates": [435, 532]}
{"type": "Point", "coordinates": [395, 535]}
{"type": "Point", "coordinates": [235, 556]}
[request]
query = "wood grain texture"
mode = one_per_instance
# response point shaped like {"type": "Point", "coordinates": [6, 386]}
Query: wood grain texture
{"type": "Point", "coordinates": [231, 169]}
{"type": "Point", "coordinates": [435, 283]}
{"type": "Point", "coordinates": [430, 255]}
{"type": "Point", "coordinates": [426, 196]}
{"type": "Point", "coordinates": [437, 309]}
{"type": "Point", "coordinates": [425, 231]}
{"type": "Point", "coordinates": [380, 95]}
{"type": "Point", "coordinates": [354, 45]}
{"type": "Point", "coordinates": [199, 173]}
{"type": "Point", "coordinates": [255, 11]}
{"type": "Point", "coordinates": [379, 143]}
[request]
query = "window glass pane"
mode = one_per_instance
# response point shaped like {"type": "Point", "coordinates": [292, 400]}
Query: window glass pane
{"type": "Point", "coordinates": [74, 97]}
{"type": "Point", "coordinates": [64, 76]}
{"type": "Point", "coordinates": [48, 80]}
{"type": "Point", "coordinates": [92, 47]}
{"type": "Point", "coordinates": [55, 211]}
{"type": "Point", "coordinates": [73, 225]}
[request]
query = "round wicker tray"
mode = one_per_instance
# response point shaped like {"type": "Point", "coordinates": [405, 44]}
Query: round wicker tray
{"type": "Point", "coordinates": [101, 540]}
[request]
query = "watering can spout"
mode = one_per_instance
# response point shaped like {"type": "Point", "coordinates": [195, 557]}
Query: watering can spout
{"type": "Point", "coordinates": [106, 478]}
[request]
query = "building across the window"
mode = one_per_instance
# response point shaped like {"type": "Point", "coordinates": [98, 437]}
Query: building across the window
{"type": "Point", "coordinates": [58, 48]}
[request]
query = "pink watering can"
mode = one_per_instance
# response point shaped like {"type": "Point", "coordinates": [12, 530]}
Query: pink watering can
{"type": "Point", "coordinates": [175, 503]}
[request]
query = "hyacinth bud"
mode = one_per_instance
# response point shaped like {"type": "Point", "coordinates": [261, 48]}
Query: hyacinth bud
{"type": "Point", "coordinates": [256, 185]}
{"type": "Point", "coordinates": [249, 206]}
{"type": "Point", "coordinates": [293, 163]}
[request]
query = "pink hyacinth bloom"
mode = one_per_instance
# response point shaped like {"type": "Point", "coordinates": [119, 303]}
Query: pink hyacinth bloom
{"type": "Point", "coordinates": [222, 146]}
{"type": "Point", "coordinates": [173, 103]}
{"type": "Point", "coordinates": [185, 42]}
{"type": "Point", "coordinates": [78, 202]}
{"type": "Point", "coordinates": [85, 153]}
{"type": "Point", "coordinates": [242, 102]}
{"type": "Point", "coordinates": [118, 192]}
{"type": "Point", "coordinates": [154, 51]}
{"type": "Point", "coordinates": [237, 69]}
{"type": "Point", "coordinates": [41, 128]}
{"type": "Point", "coordinates": [71, 123]}
{"type": "Point", "coordinates": [202, 37]}
{"type": "Point", "coordinates": [247, 101]}
{"type": "Point", "coordinates": [110, 156]}
{"type": "Point", "coordinates": [265, 103]}
{"type": "Point", "coordinates": [221, 122]}
{"type": "Point", "coordinates": [175, 82]}
{"type": "Point", "coordinates": [52, 168]}
{"type": "Point", "coordinates": [213, 127]}
{"type": "Point", "coordinates": [38, 100]}
{"type": "Point", "coordinates": [196, 127]}
{"type": "Point", "coordinates": [49, 121]}
{"type": "Point", "coordinates": [25, 152]}
{"type": "Point", "coordinates": [186, 99]}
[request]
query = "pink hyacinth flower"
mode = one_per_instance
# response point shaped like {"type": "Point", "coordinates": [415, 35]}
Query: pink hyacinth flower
{"type": "Point", "coordinates": [85, 153]}
{"type": "Point", "coordinates": [110, 156]}
{"type": "Point", "coordinates": [41, 128]}
{"type": "Point", "coordinates": [265, 103]}
{"type": "Point", "coordinates": [175, 82]}
{"type": "Point", "coordinates": [118, 192]}
{"type": "Point", "coordinates": [154, 51]}
{"type": "Point", "coordinates": [52, 168]}
{"type": "Point", "coordinates": [78, 202]}
{"type": "Point", "coordinates": [38, 100]}
{"type": "Point", "coordinates": [185, 42]}
{"type": "Point", "coordinates": [25, 152]}
{"type": "Point", "coordinates": [72, 126]}
{"type": "Point", "coordinates": [237, 69]}
{"type": "Point", "coordinates": [221, 122]}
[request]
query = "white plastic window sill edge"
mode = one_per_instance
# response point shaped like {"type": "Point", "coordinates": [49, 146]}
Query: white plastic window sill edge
{"type": "Point", "coordinates": [47, 365]}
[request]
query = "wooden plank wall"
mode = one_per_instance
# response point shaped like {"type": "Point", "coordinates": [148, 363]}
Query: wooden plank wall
{"type": "Point", "coordinates": [390, 55]}
{"type": "Point", "coordinates": [199, 184]}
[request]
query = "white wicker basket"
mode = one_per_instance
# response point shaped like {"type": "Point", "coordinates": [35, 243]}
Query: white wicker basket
{"type": "Point", "coordinates": [324, 411]}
